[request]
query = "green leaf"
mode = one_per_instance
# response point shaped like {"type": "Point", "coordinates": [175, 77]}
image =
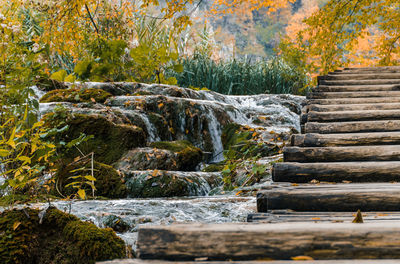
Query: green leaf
{"type": "Point", "coordinates": [70, 78]}
{"type": "Point", "coordinates": [59, 76]}
{"type": "Point", "coordinates": [178, 68]}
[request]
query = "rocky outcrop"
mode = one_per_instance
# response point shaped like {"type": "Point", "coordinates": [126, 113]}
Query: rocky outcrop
{"type": "Point", "coordinates": [51, 236]}
{"type": "Point", "coordinates": [142, 127]}
{"type": "Point", "coordinates": [157, 183]}
{"type": "Point", "coordinates": [172, 156]}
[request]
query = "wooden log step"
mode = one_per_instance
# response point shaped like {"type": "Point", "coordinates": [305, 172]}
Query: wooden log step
{"type": "Point", "coordinates": [355, 88]}
{"type": "Point", "coordinates": [360, 171]}
{"type": "Point", "coordinates": [337, 154]}
{"type": "Point", "coordinates": [352, 127]}
{"type": "Point", "coordinates": [199, 261]}
{"type": "Point", "coordinates": [365, 100]}
{"type": "Point", "coordinates": [367, 197]}
{"type": "Point", "coordinates": [336, 95]}
{"type": "Point", "coordinates": [361, 76]}
{"type": "Point", "coordinates": [362, 115]}
{"type": "Point", "coordinates": [353, 107]}
{"type": "Point", "coordinates": [242, 241]}
{"type": "Point", "coordinates": [359, 82]}
{"type": "Point", "coordinates": [354, 139]}
{"type": "Point", "coordinates": [282, 216]}
{"type": "Point", "coordinates": [380, 68]}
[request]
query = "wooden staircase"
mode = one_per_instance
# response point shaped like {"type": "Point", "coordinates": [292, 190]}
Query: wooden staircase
{"type": "Point", "coordinates": [351, 126]}
{"type": "Point", "coordinates": [347, 159]}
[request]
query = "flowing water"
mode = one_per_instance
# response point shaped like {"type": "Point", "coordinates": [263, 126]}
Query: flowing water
{"type": "Point", "coordinates": [197, 113]}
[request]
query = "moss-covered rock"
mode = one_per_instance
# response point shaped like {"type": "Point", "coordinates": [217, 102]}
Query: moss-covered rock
{"type": "Point", "coordinates": [109, 183]}
{"type": "Point", "coordinates": [214, 168]}
{"type": "Point", "coordinates": [116, 223]}
{"type": "Point", "coordinates": [76, 96]}
{"type": "Point", "coordinates": [110, 141]}
{"type": "Point", "coordinates": [56, 237]}
{"type": "Point", "coordinates": [187, 155]}
{"type": "Point", "coordinates": [152, 184]}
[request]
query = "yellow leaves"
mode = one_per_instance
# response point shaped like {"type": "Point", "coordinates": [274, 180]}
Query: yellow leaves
{"type": "Point", "coordinates": [302, 258]}
{"type": "Point", "coordinates": [82, 194]}
{"type": "Point", "coordinates": [16, 225]}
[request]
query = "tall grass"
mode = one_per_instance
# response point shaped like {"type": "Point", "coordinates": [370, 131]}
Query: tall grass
{"type": "Point", "coordinates": [241, 77]}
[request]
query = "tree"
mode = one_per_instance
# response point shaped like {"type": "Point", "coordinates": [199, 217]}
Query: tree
{"type": "Point", "coordinates": [351, 32]}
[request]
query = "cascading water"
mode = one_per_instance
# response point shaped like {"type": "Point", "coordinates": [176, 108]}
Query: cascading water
{"type": "Point", "coordinates": [172, 113]}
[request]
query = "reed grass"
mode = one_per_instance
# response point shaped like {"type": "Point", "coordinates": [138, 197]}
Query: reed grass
{"type": "Point", "coordinates": [241, 76]}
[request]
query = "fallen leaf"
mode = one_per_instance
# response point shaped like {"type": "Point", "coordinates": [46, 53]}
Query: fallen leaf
{"type": "Point", "coordinates": [93, 100]}
{"type": "Point", "coordinates": [358, 219]}
{"type": "Point", "coordinates": [16, 225]}
{"type": "Point", "coordinates": [302, 258]}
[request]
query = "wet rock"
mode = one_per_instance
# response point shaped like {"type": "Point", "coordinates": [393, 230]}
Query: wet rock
{"type": "Point", "coordinates": [116, 223]}
{"type": "Point", "coordinates": [58, 238]}
{"type": "Point", "coordinates": [173, 156]}
{"type": "Point", "coordinates": [187, 155]}
{"type": "Point", "coordinates": [151, 184]}
{"type": "Point", "coordinates": [110, 141]}
{"type": "Point", "coordinates": [76, 96]}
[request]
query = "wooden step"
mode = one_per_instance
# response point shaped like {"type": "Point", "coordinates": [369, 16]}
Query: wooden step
{"type": "Point", "coordinates": [379, 68]}
{"type": "Point", "coordinates": [353, 107]}
{"type": "Point", "coordinates": [242, 241]}
{"type": "Point", "coordinates": [356, 88]}
{"type": "Point", "coordinates": [363, 115]}
{"type": "Point", "coordinates": [337, 95]}
{"type": "Point", "coordinates": [365, 100]}
{"type": "Point", "coordinates": [360, 171]}
{"type": "Point", "coordinates": [367, 197]}
{"type": "Point", "coordinates": [200, 261]}
{"type": "Point", "coordinates": [359, 82]}
{"type": "Point", "coordinates": [362, 76]}
{"type": "Point", "coordinates": [337, 154]}
{"type": "Point", "coordinates": [352, 127]}
{"type": "Point", "coordinates": [354, 139]}
{"type": "Point", "coordinates": [281, 216]}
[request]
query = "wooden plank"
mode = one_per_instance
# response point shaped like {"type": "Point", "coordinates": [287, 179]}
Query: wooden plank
{"type": "Point", "coordinates": [337, 154]}
{"type": "Point", "coordinates": [282, 216]}
{"type": "Point", "coordinates": [362, 94]}
{"type": "Point", "coordinates": [366, 197]}
{"type": "Point", "coordinates": [352, 127]}
{"type": "Point", "coordinates": [374, 68]}
{"type": "Point", "coordinates": [359, 82]}
{"type": "Point", "coordinates": [354, 139]}
{"type": "Point", "coordinates": [347, 261]}
{"type": "Point", "coordinates": [361, 115]}
{"type": "Point", "coordinates": [269, 241]}
{"type": "Point", "coordinates": [362, 76]}
{"type": "Point", "coordinates": [353, 107]}
{"type": "Point", "coordinates": [365, 100]}
{"type": "Point", "coordinates": [356, 88]}
{"type": "Point", "coordinates": [362, 171]}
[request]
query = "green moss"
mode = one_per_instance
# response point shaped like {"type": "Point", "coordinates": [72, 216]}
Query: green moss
{"type": "Point", "coordinates": [76, 96]}
{"type": "Point", "coordinates": [161, 185]}
{"type": "Point", "coordinates": [188, 156]}
{"type": "Point", "coordinates": [109, 142]}
{"type": "Point", "coordinates": [58, 238]}
{"type": "Point", "coordinates": [109, 182]}
{"type": "Point", "coordinates": [214, 168]}
{"type": "Point", "coordinates": [174, 146]}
